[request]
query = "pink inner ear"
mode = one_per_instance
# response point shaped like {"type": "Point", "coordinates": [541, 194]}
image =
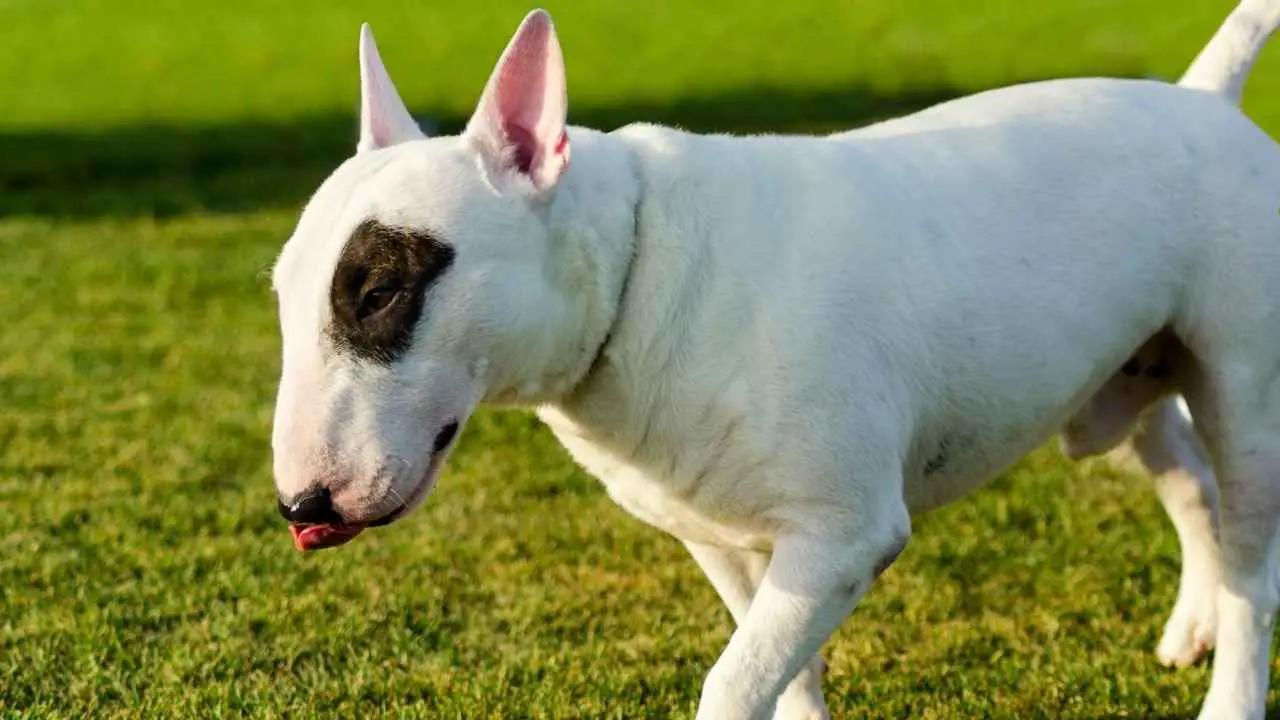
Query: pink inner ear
{"type": "Point", "coordinates": [528, 93]}
{"type": "Point", "coordinates": [525, 145]}
{"type": "Point", "coordinates": [522, 114]}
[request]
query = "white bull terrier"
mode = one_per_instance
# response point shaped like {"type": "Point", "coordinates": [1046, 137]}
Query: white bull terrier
{"type": "Point", "coordinates": [780, 349]}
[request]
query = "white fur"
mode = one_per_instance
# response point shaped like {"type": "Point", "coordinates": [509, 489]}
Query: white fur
{"type": "Point", "coordinates": [778, 349]}
{"type": "Point", "coordinates": [384, 120]}
{"type": "Point", "coordinates": [1224, 64]}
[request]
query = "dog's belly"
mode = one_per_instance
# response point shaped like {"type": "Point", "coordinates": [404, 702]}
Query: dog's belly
{"type": "Point", "coordinates": [989, 406]}
{"type": "Point", "coordinates": [968, 457]}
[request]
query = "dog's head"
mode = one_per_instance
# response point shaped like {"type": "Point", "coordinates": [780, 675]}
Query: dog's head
{"type": "Point", "coordinates": [419, 281]}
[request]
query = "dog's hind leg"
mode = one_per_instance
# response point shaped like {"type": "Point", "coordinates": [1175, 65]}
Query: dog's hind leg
{"type": "Point", "coordinates": [1166, 445]}
{"type": "Point", "coordinates": [736, 574]}
{"type": "Point", "coordinates": [1237, 408]}
{"type": "Point", "coordinates": [1136, 403]}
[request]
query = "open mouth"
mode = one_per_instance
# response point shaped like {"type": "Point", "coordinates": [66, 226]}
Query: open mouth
{"type": "Point", "coordinates": [318, 536]}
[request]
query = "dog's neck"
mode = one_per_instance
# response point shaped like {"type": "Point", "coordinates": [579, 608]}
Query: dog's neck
{"type": "Point", "coordinates": [624, 391]}
{"type": "Point", "coordinates": [592, 241]}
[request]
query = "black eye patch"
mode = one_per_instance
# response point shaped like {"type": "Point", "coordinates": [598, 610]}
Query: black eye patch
{"type": "Point", "coordinates": [378, 286]}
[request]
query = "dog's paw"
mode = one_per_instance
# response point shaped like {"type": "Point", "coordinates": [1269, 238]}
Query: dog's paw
{"type": "Point", "coordinates": [1190, 633]}
{"type": "Point", "coordinates": [803, 698]}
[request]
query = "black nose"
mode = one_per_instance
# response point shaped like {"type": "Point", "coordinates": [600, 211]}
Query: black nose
{"type": "Point", "coordinates": [446, 436]}
{"type": "Point", "coordinates": [313, 507]}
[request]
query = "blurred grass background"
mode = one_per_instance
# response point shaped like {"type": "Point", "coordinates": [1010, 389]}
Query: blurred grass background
{"type": "Point", "coordinates": [153, 157]}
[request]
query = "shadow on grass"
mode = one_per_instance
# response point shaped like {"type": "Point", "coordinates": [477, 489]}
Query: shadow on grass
{"type": "Point", "coordinates": [164, 170]}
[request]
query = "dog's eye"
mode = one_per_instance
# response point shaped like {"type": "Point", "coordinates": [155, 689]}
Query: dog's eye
{"type": "Point", "coordinates": [376, 299]}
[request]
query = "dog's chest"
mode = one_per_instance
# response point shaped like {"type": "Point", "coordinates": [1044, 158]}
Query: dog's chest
{"type": "Point", "coordinates": [700, 509]}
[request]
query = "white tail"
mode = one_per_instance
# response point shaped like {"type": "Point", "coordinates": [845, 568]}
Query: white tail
{"type": "Point", "coordinates": [1223, 65]}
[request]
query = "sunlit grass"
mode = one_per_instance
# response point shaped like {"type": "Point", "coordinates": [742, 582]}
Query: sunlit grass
{"type": "Point", "coordinates": [152, 157]}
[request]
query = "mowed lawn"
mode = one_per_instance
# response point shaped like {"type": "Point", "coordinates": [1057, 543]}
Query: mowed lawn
{"type": "Point", "coordinates": [153, 157]}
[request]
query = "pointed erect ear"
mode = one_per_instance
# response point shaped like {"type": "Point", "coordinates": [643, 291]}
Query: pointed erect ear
{"type": "Point", "coordinates": [384, 120]}
{"type": "Point", "coordinates": [519, 126]}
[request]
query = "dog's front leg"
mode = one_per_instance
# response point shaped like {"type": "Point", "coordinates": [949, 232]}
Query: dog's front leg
{"type": "Point", "coordinates": [812, 583]}
{"type": "Point", "coordinates": [736, 574]}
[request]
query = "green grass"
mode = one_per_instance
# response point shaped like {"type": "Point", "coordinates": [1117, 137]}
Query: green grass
{"type": "Point", "coordinates": [152, 159]}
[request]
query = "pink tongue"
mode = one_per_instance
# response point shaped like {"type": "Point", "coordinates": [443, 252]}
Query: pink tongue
{"type": "Point", "coordinates": [318, 537]}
